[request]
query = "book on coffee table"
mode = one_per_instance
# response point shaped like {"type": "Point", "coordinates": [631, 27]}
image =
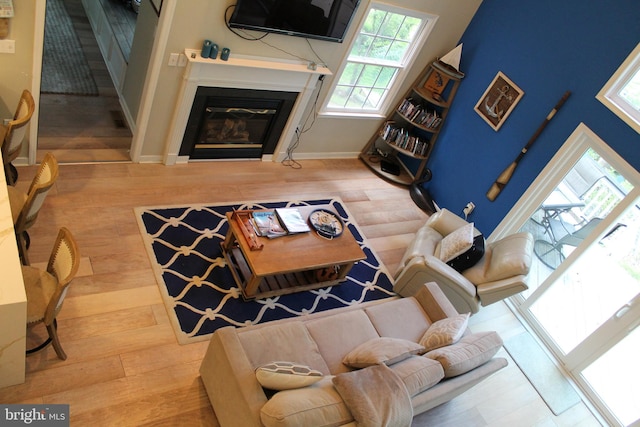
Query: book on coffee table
{"type": "Point", "coordinates": [292, 220]}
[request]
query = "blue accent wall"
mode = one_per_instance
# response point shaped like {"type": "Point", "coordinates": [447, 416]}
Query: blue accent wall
{"type": "Point", "coordinates": [545, 47]}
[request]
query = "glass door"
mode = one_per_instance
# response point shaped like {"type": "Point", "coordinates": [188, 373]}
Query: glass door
{"type": "Point", "coordinates": [583, 299]}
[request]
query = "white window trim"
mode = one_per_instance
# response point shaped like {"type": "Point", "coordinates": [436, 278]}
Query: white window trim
{"type": "Point", "coordinates": [608, 95]}
{"type": "Point", "coordinates": [412, 53]}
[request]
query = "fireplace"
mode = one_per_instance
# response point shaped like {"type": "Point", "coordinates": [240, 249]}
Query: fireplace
{"type": "Point", "coordinates": [229, 123]}
{"type": "Point", "coordinates": [215, 92]}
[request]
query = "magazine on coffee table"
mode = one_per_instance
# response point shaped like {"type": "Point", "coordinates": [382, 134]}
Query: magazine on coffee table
{"type": "Point", "coordinates": [267, 224]}
{"type": "Point", "coordinates": [279, 222]}
{"type": "Point", "coordinates": [292, 220]}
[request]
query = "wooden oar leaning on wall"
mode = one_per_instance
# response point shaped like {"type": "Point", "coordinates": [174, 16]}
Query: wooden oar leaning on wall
{"type": "Point", "coordinates": [506, 174]}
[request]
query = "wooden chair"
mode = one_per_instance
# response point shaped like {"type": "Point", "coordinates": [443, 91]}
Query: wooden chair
{"type": "Point", "coordinates": [46, 290]}
{"type": "Point", "coordinates": [14, 135]}
{"type": "Point", "coordinates": [26, 206]}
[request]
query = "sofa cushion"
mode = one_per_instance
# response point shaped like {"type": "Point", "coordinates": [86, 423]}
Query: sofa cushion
{"type": "Point", "coordinates": [511, 256]}
{"type": "Point", "coordinates": [445, 222]}
{"type": "Point", "coordinates": [418, 373]}
{"type": "Point", "coordinates": [286, 375]}
{"type": "Point", "coordinates": [402, 318]}
{"type": "Point", "coordinates": [316, 405]}
{"type": "Point", "coordinates": [470, 352]}
{"type": "Point", "coordinates": [445, 332]}
{"type": "Point", "coordinates": [383, 350]}
{"type": "Point", "coordinates": [505, 258]}
{"type": "Point", "coordinates": [338, 334]}
{"type": "Point", "coordinates": [285, 341]}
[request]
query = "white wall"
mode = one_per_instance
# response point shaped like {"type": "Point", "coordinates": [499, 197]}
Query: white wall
{"type": "Point", "coordinates": [196, 20]}
{"type": "Point", "coordinates": [16, 69]}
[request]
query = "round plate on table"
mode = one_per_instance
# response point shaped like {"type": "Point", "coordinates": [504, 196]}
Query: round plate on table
{"type": "Point", "coordinates": [326, 223]}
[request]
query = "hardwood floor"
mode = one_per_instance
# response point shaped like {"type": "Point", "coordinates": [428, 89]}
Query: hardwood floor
{"type": "Point", "coordinates": [124, 364]}
{"type": "Point", "coordinates": [88, 128]}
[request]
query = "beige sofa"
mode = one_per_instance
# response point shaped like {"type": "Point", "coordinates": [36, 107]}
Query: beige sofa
{"type": "Point", "coordinates": [321, 341]}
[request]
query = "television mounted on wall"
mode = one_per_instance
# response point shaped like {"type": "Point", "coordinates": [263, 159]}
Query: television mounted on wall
{"type": "Point", "coordinates": [318, 19]}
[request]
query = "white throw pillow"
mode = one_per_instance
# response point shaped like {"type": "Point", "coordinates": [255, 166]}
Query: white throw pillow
{"type": "Point", "coordinates": [445, 332]}
{"type": "Point", "coordinates": [286, 375]}
{"type": "Point", "coordinates": [456, 243]}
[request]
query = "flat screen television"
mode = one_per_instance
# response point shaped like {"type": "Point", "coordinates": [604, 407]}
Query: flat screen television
{"type": "Point", "coordinates": [317, 19]}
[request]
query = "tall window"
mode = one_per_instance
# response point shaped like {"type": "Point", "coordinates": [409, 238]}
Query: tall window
{"type": "Point", "coordinates": [387, 42]}
{"type": "Point", "coordinates": [621, 94]}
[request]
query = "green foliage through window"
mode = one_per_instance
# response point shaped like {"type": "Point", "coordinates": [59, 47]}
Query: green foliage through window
{"type": "Point", "coordinates": [379, 52]}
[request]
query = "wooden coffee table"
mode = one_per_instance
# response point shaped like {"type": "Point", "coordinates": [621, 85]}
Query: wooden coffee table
{"type": "Point", "coordinates": [291, 263]}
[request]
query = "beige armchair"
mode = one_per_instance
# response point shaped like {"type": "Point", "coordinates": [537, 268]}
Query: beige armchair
{"type": "Point", "coordinates": [501, 271]}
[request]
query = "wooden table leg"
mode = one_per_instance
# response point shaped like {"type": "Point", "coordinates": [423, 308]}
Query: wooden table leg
{"type": "Point", "coordinates": [229, 239]}
{"type": "Point", "coordinates": [252, 285]}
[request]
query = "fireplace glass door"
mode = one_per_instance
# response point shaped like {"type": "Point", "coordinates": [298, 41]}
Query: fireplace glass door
{"type": "Point", "coordinates": [228, 123]}
{"type": "Point", "coordinates": [234, 128]}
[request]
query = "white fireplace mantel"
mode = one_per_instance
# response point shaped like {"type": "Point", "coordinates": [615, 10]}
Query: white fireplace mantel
{"type": "Point", "coordinates": [242, 72]}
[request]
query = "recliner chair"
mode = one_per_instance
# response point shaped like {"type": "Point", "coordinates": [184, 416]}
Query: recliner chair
{"type": "Point", "coordinates": [500, 273]}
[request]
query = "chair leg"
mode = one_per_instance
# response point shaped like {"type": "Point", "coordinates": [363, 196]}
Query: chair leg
{"type": "Point", "coordinates": [52, 330]}
{"type": "Point", "coordinates": [11, 174]}
{"type": "Point", "coordinates": [22, 248]}
{"type": "Point", "coordinates": [549, 254]}
{"type": "Point", "coordinates": [53, 334]}
{"type": "Point", "coordinates": [27, 239]}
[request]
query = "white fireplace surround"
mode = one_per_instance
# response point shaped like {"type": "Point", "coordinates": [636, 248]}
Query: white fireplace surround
{"type": "Point", "coordinates": [242, 72]}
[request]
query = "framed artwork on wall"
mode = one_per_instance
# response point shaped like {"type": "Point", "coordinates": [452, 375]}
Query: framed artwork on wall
{"type": "Point", "coordinates": [497, 102]}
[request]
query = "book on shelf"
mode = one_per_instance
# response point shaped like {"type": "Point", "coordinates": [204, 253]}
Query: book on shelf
{"type": "Point", "coordinates": [418, 114]}
{"type": "Point", "coordinates": [279, 222]}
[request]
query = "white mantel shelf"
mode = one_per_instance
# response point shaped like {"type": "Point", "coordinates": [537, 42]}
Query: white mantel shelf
{"type": "Point", "coordinates": [254, 62]}
{"type": "Point", "coordinates": [242, 72]}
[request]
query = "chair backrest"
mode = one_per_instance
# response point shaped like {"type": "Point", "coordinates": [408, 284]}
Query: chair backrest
{"type": "Point", "coordinates": [17, 127]}
{"type": "Point", "coordinates": [63, 265]}
{"type": "Point", "coordinates": [38, 190]}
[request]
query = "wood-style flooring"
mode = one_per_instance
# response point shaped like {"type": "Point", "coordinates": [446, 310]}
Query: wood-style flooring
{"type": "Point", "coordinates": [125, 367]}
{"type": "Point", "coordinates": [88, 128]}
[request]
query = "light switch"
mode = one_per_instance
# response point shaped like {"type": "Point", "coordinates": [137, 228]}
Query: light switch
{"type": "Point", "coordinates": [173, 59]}
{"type": "Point", "coordinates": [7, 46]}
{"type": "Point", "coordinates": [182, 60]}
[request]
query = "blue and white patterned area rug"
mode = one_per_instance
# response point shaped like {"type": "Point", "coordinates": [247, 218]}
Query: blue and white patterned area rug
{"type": "Point", "coordinates": [199, 291]}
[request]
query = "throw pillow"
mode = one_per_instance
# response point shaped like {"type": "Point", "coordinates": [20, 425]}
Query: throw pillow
{"type": "Point", "coordinates": [456, 243]}
{"type": "Point", "coordinates": [471, 257]}
{"type": "Point", "coordinates": [445, 332]}
{"type": "Point", "coordinates": [383, 350]}
{"type": "Point", "coordinates": [286, 375]}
